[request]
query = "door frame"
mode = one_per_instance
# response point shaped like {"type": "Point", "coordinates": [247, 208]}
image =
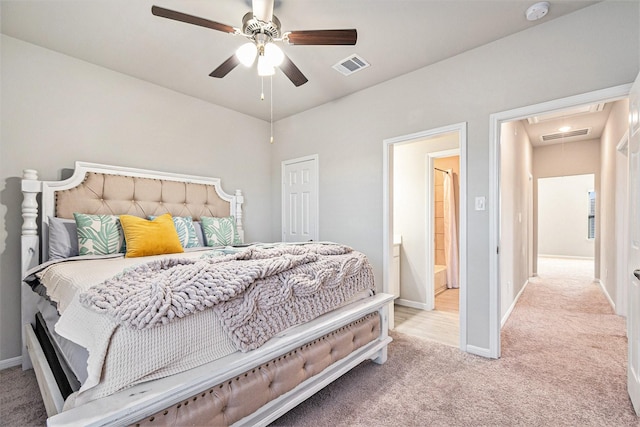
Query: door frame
{"type": "Point", "coordinates": [495, 123]}
{"type": "Point", "coordinates": [316, 211]}
{"type": "Point", "coordinates": [622, 226]}
{"type": "Point", "coordinates": [387, 212]}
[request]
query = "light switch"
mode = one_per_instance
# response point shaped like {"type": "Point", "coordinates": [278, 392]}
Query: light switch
{"type": "Point", "coordinates": [480, 203]}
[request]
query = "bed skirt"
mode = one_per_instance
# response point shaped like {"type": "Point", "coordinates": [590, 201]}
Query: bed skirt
{"type": "Point", "coordinates": [238, 397]}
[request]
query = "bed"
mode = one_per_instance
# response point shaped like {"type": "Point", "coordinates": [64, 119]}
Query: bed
{"type": "Point", "coordinates": [211, 331]}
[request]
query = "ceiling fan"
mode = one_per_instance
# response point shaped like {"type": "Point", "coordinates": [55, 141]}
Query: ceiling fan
{"type": "Point", "coordinates": [262, 28]}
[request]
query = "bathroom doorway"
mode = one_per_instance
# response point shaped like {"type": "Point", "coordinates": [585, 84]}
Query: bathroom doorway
{"type": "Point", "coordinates": [409, 232]}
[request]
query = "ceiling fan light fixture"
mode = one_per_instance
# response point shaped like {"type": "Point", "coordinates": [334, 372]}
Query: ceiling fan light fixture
{"type": "Point", "coordinates": [246, 54]}
{"type": "Point", "coordinates": [273, 54]}
{"type": "Point", "coordinates": [265, 68]}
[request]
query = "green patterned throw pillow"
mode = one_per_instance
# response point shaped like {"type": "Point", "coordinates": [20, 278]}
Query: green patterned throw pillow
{"type": "Point", "coordinates": [186, 230]}
{"type": "Point", "coordinates": [220, 231]}
{"type": "Point", "coordinates": [99, 234]}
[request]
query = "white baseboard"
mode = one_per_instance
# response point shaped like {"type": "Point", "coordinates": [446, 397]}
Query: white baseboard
{"type": "Point", "coordinates": [606, 294]}
{"type": "Point", "coordinates": [513, 305]}
{"type": "Point", "coordinates": [10, 363]}
{"type": "Point", "coordinates": [479, 351]}
{"type": "Point", "coordinates": [412, 304]}
{"type": "Point", "coordinates": [566, 257]}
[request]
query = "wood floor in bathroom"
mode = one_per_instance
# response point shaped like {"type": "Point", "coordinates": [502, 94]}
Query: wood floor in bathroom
{"type": "Point", "coordinates": [441, 324]}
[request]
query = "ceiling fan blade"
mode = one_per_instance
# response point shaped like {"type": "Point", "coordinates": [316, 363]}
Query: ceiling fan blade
{"type": "Point", "coordinates": [323, 37]}
{"type": "Point", "coordinates": [292, 72]}
{"type": "Point", "coordinates": [190, 19]}
{"type": "Point", "coordinates": [225, 67]}
{"type": "Point", "coordinates": [262, 10]}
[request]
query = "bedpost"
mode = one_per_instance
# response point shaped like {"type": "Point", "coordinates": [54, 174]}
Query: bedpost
{"type": "Point", "coordinates": [381, 357]}
{"type": "Point", "coordinates": [239, 200]}
{"type": "Point", "coordinates": [30, 251]}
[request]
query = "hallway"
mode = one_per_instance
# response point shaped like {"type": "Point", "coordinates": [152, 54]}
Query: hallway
{"type": "Point", "coordinates": [566, 334]}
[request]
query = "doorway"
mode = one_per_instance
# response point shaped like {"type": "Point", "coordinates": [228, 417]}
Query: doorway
{"type": "Point", "coordinates": [444, 167]}
{"type": "Point", "coordinates": [408, 200]}
{"type": "Point", "coordinates": [498, 262]}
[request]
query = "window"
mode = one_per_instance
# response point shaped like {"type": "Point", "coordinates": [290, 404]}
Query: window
{"type": "Point", "coordinates": [591, 232]}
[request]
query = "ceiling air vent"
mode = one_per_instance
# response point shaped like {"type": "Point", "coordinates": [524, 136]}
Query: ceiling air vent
{"type": "Point", "coordinates": [351, 64]}
{"type": "Point", "coordinates": [564, 135]}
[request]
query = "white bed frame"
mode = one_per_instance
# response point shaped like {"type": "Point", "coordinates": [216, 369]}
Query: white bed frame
{"type": "Point", "coordinates": [145, 399]}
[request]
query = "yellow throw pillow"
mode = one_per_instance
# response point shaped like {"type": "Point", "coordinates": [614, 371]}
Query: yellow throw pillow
{"type": "Point", "coordinates": [144, 237]}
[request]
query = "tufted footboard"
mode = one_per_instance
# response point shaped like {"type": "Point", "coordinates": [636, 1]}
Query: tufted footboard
{"type": "Point", "coordinates": [232, 400]}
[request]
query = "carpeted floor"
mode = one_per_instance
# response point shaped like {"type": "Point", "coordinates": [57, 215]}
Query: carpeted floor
{"type": "Point", "coordinates": [563, 364]}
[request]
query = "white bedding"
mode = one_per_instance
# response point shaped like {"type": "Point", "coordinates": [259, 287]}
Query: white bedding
{"type": "Point", "coordinates": [140, 355]}
{"type": "Point", "coordinates": [119, 356]}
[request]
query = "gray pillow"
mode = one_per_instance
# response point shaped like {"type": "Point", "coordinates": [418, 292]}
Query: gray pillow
{"type": "Point", "coordinates": [63, 238]}
{"type": "Point", "coordinates": [198, 226]}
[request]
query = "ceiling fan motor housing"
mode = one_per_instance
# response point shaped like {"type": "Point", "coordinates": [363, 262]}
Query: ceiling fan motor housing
{"type": "Point", "coordinates": [252, 26]}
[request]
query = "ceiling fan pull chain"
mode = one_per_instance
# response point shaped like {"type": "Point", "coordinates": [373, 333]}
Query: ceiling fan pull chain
{"type": "Point", "coordinates": [262, 89]}
{"type": "Point", "coordinates": [271, 99]}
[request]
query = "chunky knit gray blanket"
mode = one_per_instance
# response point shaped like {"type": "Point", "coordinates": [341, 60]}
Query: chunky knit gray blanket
{"type": "Point", "coordinates": [256, 292]}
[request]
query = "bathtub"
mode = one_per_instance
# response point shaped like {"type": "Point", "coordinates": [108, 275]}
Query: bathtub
{"type": "Point", "coordinates": [439, 278]}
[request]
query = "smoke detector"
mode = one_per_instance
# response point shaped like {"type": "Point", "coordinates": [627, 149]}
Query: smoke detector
{"type": "Point", "coordinates": [537, 11]}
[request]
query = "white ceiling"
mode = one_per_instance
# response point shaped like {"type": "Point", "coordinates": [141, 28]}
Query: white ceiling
{"type": "Point", "coordinates": [394, 36]}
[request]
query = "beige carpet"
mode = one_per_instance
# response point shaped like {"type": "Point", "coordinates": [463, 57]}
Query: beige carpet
{"type": "Point", "coordinates": [563, 364]}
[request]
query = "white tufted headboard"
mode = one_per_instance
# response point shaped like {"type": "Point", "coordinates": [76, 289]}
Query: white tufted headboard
{"type": "Point", "coordinates": [114, 190]}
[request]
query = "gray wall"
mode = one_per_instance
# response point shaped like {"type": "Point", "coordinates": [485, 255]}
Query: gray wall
{"type": "Point", "coordinates": [617, 125]}
{"type": "Point", "coordinates": [56, 110]}
{"type": "Point", "coordinates": [563, 221]}
{"type": "Point", "coordinates": [515, 168]}
{"type": "Point", "coordinates": [591, 49]}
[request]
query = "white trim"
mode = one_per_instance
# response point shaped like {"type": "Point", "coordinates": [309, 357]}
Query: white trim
{"type": "Point", "coordinates": [606, 294]}
{"type": "Point", "coordinates": [513, 305]}
{"type": "Point", "coordinates": [623, 144]}
{"type": "Point", "coordinates": [10, 363]}
{"type": "Point", "coordinates": [582, 258]}
{"type": "Point", "coordinates": [622, 224]}
{"type": "Point", "coordinates": [387, 212]}
{"type": "Point", "coordinates": [479, 351]}
{"type": "Point", "coordinates": [412, 304]}
{"type": "Point", "coordinates": [495, 120]}
{"type": "Point", "coordinates": [316, 191]}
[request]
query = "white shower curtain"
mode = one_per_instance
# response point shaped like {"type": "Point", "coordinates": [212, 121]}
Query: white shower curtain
{"type": "Point", "coordinates": [450, 231]}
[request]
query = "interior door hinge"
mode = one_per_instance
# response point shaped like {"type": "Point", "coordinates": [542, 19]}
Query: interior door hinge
{"type": "Point", "coordinates": [498, 250]}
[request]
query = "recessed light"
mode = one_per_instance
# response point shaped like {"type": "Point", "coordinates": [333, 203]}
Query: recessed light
{"type": "Point", "coordinates": [565, 129]}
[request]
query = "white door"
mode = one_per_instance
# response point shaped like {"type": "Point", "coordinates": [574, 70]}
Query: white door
{"type": "Point", "coordinates": [633, 314]}
{"type": "Point", "coordinates": [300, 199]}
